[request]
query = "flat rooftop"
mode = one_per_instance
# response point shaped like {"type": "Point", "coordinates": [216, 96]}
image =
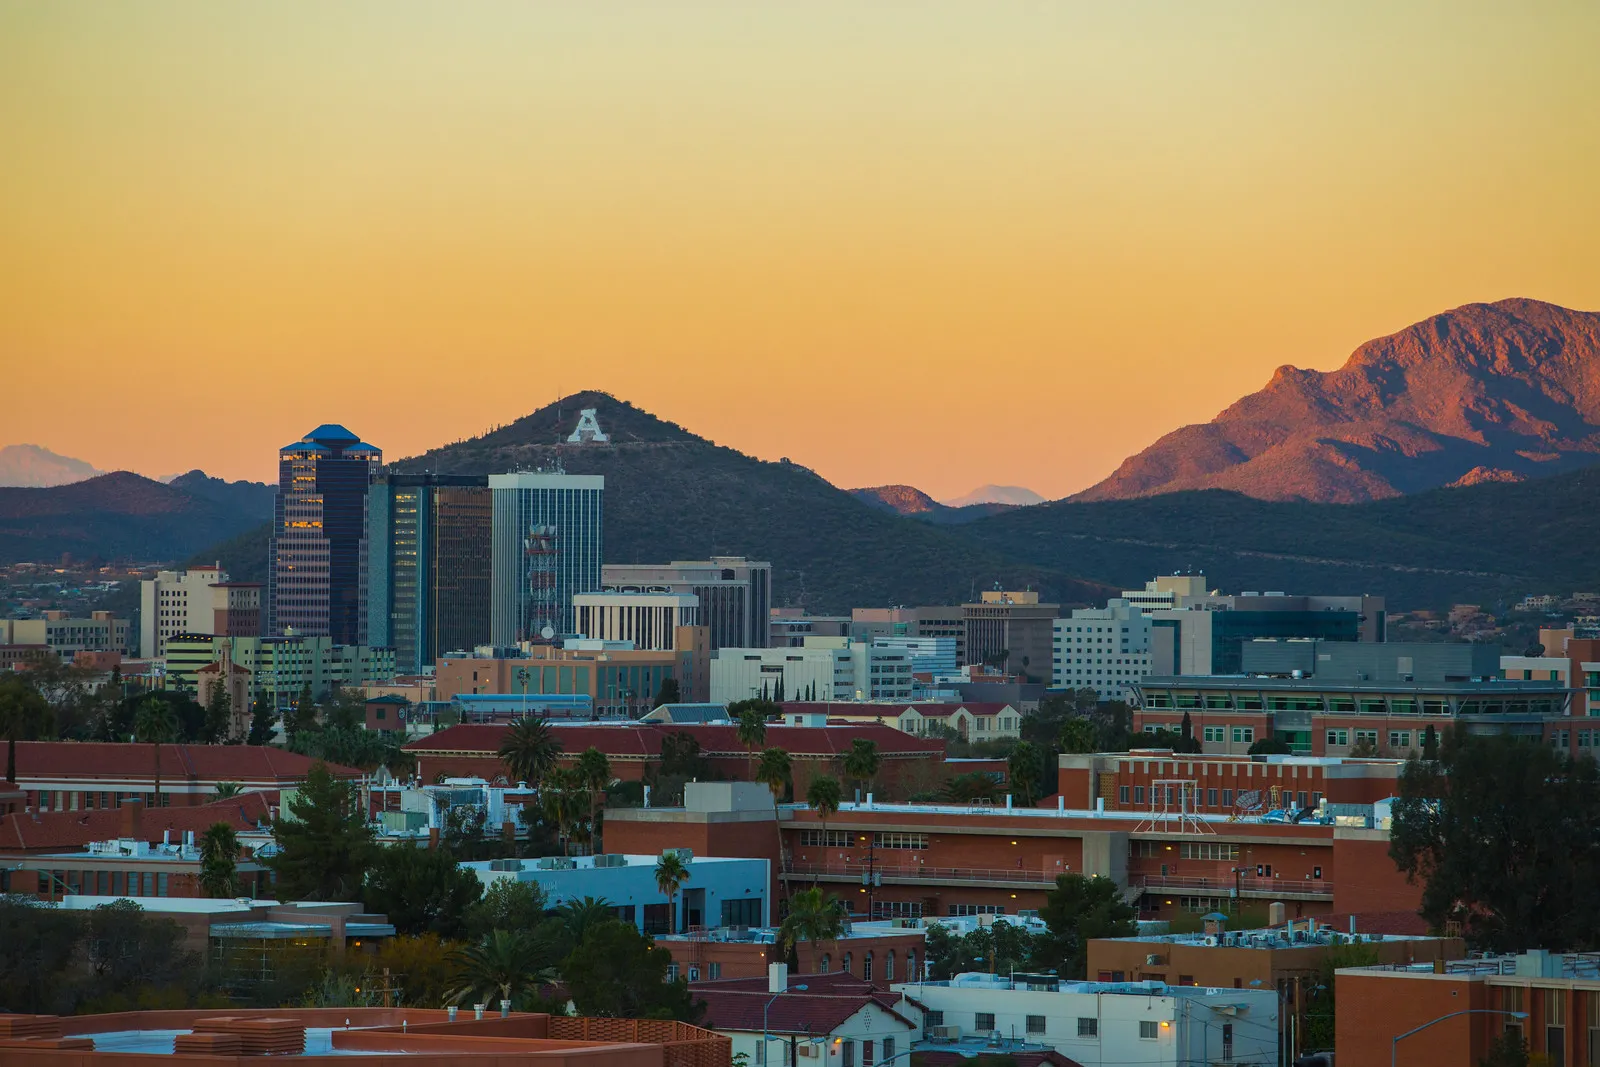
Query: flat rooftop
{"type": "Point", "coordinates": [982, 980]}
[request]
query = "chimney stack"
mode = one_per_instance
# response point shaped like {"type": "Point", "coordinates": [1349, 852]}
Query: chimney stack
{"type": "Point", "coordinates": [777, 978]}
{"type": "Point", "coordinates": [132, 810]}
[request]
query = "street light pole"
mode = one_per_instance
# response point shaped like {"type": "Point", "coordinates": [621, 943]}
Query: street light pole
{"type": "Point", "coordinates": [1394, 1046]}
{"type": "Point", "coordinates": [767, 1007]}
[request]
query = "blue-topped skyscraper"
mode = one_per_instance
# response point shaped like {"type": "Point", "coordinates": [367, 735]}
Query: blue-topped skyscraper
{"type": "Point", "coordinates": [316, 578]}
{"type": "Point", "coordinates": [548, 547]}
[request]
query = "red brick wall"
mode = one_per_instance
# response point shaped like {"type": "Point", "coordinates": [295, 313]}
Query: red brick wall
{"type": "Point", "coordinates": [1368, 879]}
{"type": "Point", "coordinates": [1375, 1007]}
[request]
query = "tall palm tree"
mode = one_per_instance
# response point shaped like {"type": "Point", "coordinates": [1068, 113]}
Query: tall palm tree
{"type": "Point", "coordinates": [822, 796]}
{"type": "Point", "coordinates": [24, 714]}
{"type": "Point", "coordinates": [579, 916]}
{"type": "Point", "coordinates": [593, 772]}
{"type": "Point", "coordinates": [773, 771]}
{"type": "Point", "coordinates": [812, 916]}
{"type": "Point", "coordinates": [505, 965]}
{"type": "Point", "coordinates": [530, 749]}
{"type": "Point", "coordinates": [219, 853]}
{"type": "Point", "coordinates": [1024, 767]}
{"type": "Point", "coordinates": [861, 763]}
{"type": "Point", "coordinates": [671, 873]}
{"type": "Point", "coordinates": [559, 800]}
{"type": "Point", "coordinates": [752, 733]}
{"type": "Point", "coordinates": [155, 724]}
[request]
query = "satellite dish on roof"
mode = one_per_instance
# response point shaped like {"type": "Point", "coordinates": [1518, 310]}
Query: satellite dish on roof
{"type": "Point", "coordinates": [548, 632]}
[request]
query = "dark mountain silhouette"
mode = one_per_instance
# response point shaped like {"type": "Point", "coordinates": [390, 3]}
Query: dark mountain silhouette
{"type": "Point", "coordinates": [112, 516]}
{"type": "Point", "coordinates": [250, 499]}
{"type": "Point", "coordinates": [1487, 543]}
{"type": "Point", "coordinates": [913, 503]}
{"type": "Point", "coordinates": [673, 495]}
{"type": "Point", "coordinates": [1486, 392]}
{"type": "Point", "coordinates": [35, 466]}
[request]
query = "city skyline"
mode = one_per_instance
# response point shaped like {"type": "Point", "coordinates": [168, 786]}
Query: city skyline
{"type": "Point", "coordinates": [767, 223]}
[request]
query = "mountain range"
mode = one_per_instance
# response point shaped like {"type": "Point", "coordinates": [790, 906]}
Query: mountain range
{"type": "Point", "coordinates": [1483, 393]}
{"type": "Point", "coordinates": [36, 467]}
{"type": "Point", "coordinates": [1452, 461]}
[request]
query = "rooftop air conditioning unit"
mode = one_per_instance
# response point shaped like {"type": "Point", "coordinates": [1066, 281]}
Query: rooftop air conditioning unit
{"type": "Point", "coordinates": [556, 863]}
{"type": "Point", "coordinates": [1210, 941]}
{"type": "Point", "coordinates": [505, 865]}
{"type": "Point", "coordinates": [611, 860]}
{"type": "Point", "coordinates": [685, 855]}
{"type": "Point", "coordinates": [945, 1033]}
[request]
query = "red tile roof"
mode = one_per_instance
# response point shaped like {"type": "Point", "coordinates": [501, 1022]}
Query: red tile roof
{"type": "Point", "coordinates": [88, 760]}
{"type": "Point", "coordinates": [931, 709]}
{"type": "Point", "coordinates": [54, 830]}
{"type": "Point", "coordinates": [643, 740]}
{"type": "Point", "coordinates": [938, 1057]}
{"type": "Point", "coordinates": [791, 1013]}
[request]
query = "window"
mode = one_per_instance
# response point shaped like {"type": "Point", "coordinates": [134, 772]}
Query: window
{"type": "Point", "coordinates": [849, 1053]}
{"type": "Point", "coordinates": [933, 1018]}
{"type": "Point", "coordinates": [844, 964]}
{"type": "Point", "coordinates": [1122, 794]}
{"type": "Point", "coordinates": [672, 972]}
{"type": "Point", "coordinates": [834, 839]}
{"type": "Point", "coordinates": [1216, 733]}
{"type": "Point", "coordinates": [1338, 737]}
{"type": "Point", "coordinates": [888, 967]}
{"type": "Point", "coordinates": [1207, 850]}
{"type": "Point", "coordinates": [715, 971]}
{"type": "Point", "coordinates": [824, 963]}
{"type": "Point", "coordinates": [866, 1053]}
{"type": "Point", "coordinates": [1036, 1024]}
{"type": "Point", "coordinates": [1211, 798]}
{"type": "Point", "coordinates": [1243, 735]}
{"type": "Point", "coordinates": [866, 967]}
{"type": "Point", "coordinates": [1400, 739]}
{"type": "Point", "coordinates": [1138, 794]}
{"type": "Point", "coordinates": [977, 909]}
{"type": "Point", "coordinates": [901, 841]}
{"type": "Point", "coordinates": [983, 1020]}
{"type": "Point", "coordinates": [1227, 798]}
{"type": "Point", "coordinates": [888, 1050]}
{"type": "Point", "coordinates": [1149, 1030]}
{"type": "Point", "coordinates": [1368, 737]}
{"type": "Point", "coordinates": [1088, 1027]}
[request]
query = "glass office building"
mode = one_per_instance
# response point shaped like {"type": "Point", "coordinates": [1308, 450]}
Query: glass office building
{"type": "Point", "coordinates": [429, 538]}
{"type": "Point", "coordinates": [316, 578]}
{"type": "Point", "coordinates": [548, 546]}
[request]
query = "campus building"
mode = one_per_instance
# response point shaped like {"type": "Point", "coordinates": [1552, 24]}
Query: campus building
{"type": "Point", "coordinates": [823, 668]}
{"type": "Point", "coordinates": [733, 594]}
{"type": "Point", "coordinates": [1011, 631]}
{"type": "Point", "coordinates": [648, 621]}
{"type": "Point", "coordinates": [281, 668]}
{"type": "Point", "coordinates": [615, 676]}
{"type": "Point", "coordinates": [548, 544]}
{"type": "Point", "coordinates": [60, 633]}
{"type": "Point", "coordinates": [317, 554]}
{"type": "Point", "coordinates": [429, 541]}
{"type": "Point", "coordinates": [1105, 649]}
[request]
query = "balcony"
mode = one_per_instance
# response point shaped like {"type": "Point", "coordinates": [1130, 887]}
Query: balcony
{"type": "Point", "coordinates": [1261, 888]}
{"type": "Point", "coordinates": [924, 874]}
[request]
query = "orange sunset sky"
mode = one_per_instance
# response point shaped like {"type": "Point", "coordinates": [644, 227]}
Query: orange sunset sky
{"type": "Point", "coordinates": [933, 243]}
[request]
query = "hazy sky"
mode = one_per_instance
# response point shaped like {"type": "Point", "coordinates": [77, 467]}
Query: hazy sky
{"type": "Point", "coordinates": [934, 243]}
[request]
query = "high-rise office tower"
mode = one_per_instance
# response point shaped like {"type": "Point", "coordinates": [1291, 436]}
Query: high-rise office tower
{"type": "Point", "coordinates": [316, 574]}
{"type": "Point", "coordinates": [548, 546]}
{"type": "Point", "coordinates": [734, 594]}
{"type": "Point", "coordinates": [428, 548]}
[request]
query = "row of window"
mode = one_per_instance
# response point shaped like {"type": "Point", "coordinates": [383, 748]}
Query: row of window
{"type": "Point", "coordinates": [890, 839]}
{"type": "Point", "coordinates": [1216, 798]}
{"type": "Point", "coordinates": [1088, 1026]}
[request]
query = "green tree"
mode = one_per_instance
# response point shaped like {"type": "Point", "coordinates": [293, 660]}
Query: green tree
{"type": "Point", "coordinates": [1501, 834]}
{"type": "Point", "coordinates": [506, 965]}
{"type": "Point", "coordinates": [577, 917]}
{"type": "Point", "coordinates": [1430, 743]}
{"type": "Point", "coordinates": [219, 856]}
{"type": "Point", "coordinates": [422, 967]}
{"type": "Point", "coordinates": [823, 796]}
{"type": "Point", "coordinates": [970, 787]}
{"type": "Point", "coordinates": [359, 747]}
{"type": "Point", "coordinates": [347, 710]}
{"type": "Point", "coordinates": [530, 750]}
{"type": "Point", "coordinates": [219, 715]}
{"type": "Point", "coordinates": [1000, 949]}
{"type": "Point", "coordinates": [668, 693]}
{"type": "Point", "coordinates": [507, 905]}
{"type": "Point", "coordinates": [773, 771]}
{"type": "Point", "coordinates": [324, 845]}
{"type": "Point", "coordinates": [227, 791]}
{"type": "Point", "coordinates": [305, 713]}
{"type": "Point", "coordinates": [617, 972]}
{"type": "Point", "coordinates": [24, 715]}
{"type": "Point", "coordinates": [1026, 768]}
{"type": "Point", "coordinates": [38, 955]}
{"type": "Point", "coordinates": [262, 717]}
{"type": "Point", "coordinates": [421, 890]}
{"type": "Point", "coordinates": [671, 873]}
{"type": "Point", "coordinates": [562, 798]}
{"type": "Point", "coordinates": [1077, 735]}
{"type": "Point", "coordinates": [752, 731]}
{"type": "Point", "coordinates": [1319, 1022]}
{"type": "Point", "coordinates": [1186, 740]}
{"type": "Point", "coordinates": [1078, 910]}
{"type": "Point", "coordinates": [1270, 746]}
{"type": "Point", "coordinates": [593, 772]}
{"type": "Point", "coordinates": [1509, 1049]}
{"type": "Point", "coordinates": [813, 916]}
{"type": "Point", "coordinates": [155, 725]}
{"type": "Point", "coordinates": [130, 950]}
{"type": "Point", "coordinates": [862, 762]}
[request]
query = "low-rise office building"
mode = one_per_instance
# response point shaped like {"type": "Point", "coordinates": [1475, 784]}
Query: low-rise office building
{"type": "Point", "coordinates": [822, 668]}
{"type": "Point", "coordinates": [618, 678]}
{"type": "Point", "coordinates": [1105, 649]}
{"type": "Point", "coordinates": [200, 600]}
{"type": "Point", "coordinates": [66, 636]}
{"type": "Point", "coordinates": [1011, 630]}
{"type": "Point", "coordinates": [281, 668]}
{"type": "Point", "coordinates": [969, 721]}
{"type": "Point", "coordinates": [649, 621]}
{"type": "Point", "coordinates": [1101, 1024]}
{"type": "Point", "coordinates": [720, 891]}
{"type": "Point", "coordinates": [880, 952]}
{"type": "Point", "coordinates": [830, 1020]}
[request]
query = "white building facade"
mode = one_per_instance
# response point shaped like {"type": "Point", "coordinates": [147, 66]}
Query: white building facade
{"type": "Point", "coordinates": [648, 620]}
{"type": "Point", "coordinates": [822, 669]}
{"type": "Point", "coordinates": [175, 602]}
{"type": "Point", "coordinates": [1105, 649]}
{"type": "Point", "coordinates": [1102, 1024]}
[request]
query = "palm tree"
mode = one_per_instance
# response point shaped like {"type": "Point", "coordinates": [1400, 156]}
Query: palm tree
{"type": "Point", "coordinates": [579, 916]}
{"type": "Point", "coordinates": [505, 965]}
{"type": "Point", "coordinates": [822, 796]}
{"type": "Point", "coordinates": [861, 763]}
{"type": "Point", "coordinates": [226, 790]}
{"type": "Point", "coordinates": [219, 852]}
{"type": "Point", "coordinates": [530, 749]}
{"type": "Point", "coordinates": [558, 798]}
{"type": "Point", "coordinates": [1024, 767]}
{"type": "Point", "coordinates": [671, 873]}
{"type": "Point", "coordinates": [155, 724]}
{"type": "Point", "coordinates": [594, 772]}
{"type": "Point", "coordinates": [24, 714]}
{"type": "Point", "coordinates": [812, 917]}
{"type": "Point", "coordinates": [773, 771]}
{"type": "Point", "coordinates": [752, 732]}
